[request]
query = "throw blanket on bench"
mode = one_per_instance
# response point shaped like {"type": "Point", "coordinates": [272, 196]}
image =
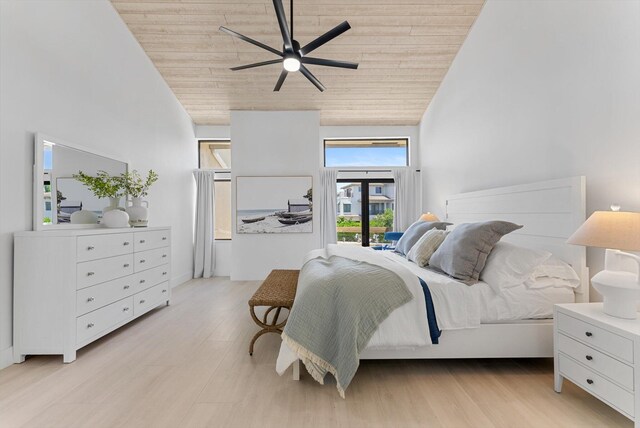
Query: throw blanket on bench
{"type": "Point", "coordinates": [340, 304]}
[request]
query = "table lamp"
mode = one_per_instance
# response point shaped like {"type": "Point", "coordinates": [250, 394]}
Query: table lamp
{"type": "Point", "coordinates": [429, 217]}
{"type": "Point", "coordinates": [614, 230]}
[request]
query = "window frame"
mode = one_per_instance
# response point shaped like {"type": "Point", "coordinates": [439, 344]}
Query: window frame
{"type": "Point", "coordinates": [225, 171]}
{"type": "Point", "coordinates": [365, 183]}
{"type": "Point", "coordinates": [324, 151]}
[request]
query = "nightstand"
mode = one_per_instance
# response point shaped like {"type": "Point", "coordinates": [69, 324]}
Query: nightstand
{"type": "Point", "coordinates": [600, 354]}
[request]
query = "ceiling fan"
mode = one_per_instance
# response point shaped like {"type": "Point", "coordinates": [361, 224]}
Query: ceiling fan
{"type": "Point", "coordinates": [293, 57]}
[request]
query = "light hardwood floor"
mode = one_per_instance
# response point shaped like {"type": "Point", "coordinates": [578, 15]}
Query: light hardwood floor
{"type": "Point", "coordinates": [188, 365]}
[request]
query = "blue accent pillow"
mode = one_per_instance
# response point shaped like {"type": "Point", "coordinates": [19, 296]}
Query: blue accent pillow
{"type": "Point", "coordinates": [415, 232]}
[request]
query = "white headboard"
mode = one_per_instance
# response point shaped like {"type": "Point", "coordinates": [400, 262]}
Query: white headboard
{"type": "Point", "coordinates": [549, 210]}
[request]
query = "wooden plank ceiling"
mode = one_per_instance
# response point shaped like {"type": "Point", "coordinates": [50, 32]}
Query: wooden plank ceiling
{"type": "Point", "coordinates": [404, 48]}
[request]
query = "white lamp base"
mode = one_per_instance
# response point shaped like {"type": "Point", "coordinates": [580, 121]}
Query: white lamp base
{"type": "Point", "coordinates": [620, 293]}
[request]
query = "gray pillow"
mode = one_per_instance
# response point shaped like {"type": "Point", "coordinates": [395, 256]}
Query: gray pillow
{"type": "Point", "coordinates": [415, 232]}
{"type": "Point", "coordinates": [464, 252]}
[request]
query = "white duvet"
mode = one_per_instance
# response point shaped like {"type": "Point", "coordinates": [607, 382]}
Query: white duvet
{"type": "Point", "coordinates": [456, 305]}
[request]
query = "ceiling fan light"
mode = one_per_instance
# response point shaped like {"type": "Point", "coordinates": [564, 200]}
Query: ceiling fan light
{"type": "Point", "coordinates": [291, 64]}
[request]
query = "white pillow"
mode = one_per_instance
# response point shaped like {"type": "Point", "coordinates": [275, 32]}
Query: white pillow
{"type": "Point", "coordinates": [509, 265]}
{"type": "Point", "coordinates": [428, 243]}
{"type": "Point", "coordinates": [546, 274]}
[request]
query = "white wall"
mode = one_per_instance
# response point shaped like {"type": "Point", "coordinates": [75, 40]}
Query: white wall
{"type": "Point", "coordinates": [540, 90]}
{"type": "Point", "coordinates": [274, 143]}
{"type": "Point", "coordinates": [72, 70]}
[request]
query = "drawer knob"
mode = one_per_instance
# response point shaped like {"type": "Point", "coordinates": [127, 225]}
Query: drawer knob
{"type": "Point", "coordinates": [125, 309]}
{"type": "Point", "coordinates": [90, 247]}
{"type": "Point", "coordinates": [126, 287]}
{"type": "Point", "coordinates": [90, 273]}
{"type": "Point", "coordinates": [164, 291]}
{"type": "Point", "coordinates": [90, 299]}
{"type": "Point", "coordinates": [142, 281]}
{"type": "Point", "coordinates": [126, 265]}
{"type": "Point", "coordinates": [589, 357]}
{"type": "Point", "coordinates": [90, 325]}
{"type": "Point", "coordinates": [588, 333]}
{"type": "Point", "coordinates": [142, 301]}
{"type": "Point", "coordinates": [164, 238]}
{"type": "Point", "coordinates": [142, 261]}
{"type": "Point", "coordinates": [164, 273]}
{"type": "Point", "coordinates": [125, 243]}
{"type": "Point", "coordinates": [142, 241]}
{"type": "Point", "coordinates": [590, 381]}
{"type": "Point", "coordinates": [164, 255]}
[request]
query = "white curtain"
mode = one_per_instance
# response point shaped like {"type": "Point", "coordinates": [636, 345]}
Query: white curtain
{"type": "Point", "coordinates": [407, 203]}
{"type": "Point", "coordinates": [328, 206]}
{"type": "Point", "coordinates": [204, 251]}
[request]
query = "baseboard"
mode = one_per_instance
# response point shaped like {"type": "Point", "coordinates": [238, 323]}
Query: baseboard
{"type": "Point", "coordinates": [181, 279]}
{"type": "Point", "coordinates": [6, 357]}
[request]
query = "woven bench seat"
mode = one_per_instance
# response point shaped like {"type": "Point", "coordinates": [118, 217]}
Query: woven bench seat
{"type": "Point", "coordinates": [276, 292]}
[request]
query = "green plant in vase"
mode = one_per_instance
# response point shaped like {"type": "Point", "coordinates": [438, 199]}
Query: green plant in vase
{"type": "Point", "coordinates": [103, 185]}
{"type": "Point", "coordinates": [137, 188]}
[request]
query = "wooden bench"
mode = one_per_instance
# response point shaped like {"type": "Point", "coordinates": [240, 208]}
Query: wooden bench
{"type": "Point", "coordinates": [276, 292]}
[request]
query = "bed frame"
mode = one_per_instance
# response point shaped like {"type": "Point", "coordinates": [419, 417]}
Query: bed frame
{"type": "Point", "coordinates": [550, 212]}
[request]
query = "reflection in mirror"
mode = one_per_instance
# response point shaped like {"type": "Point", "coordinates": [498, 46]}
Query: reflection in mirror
{"type": "Point", "coordinates": [61, 194]}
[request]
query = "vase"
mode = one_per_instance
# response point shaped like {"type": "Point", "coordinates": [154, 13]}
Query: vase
{"type": "Point", "coordinates": [138, 213]}
{"type": "Point", "coordinates": [113, 205]}
{"type": "Point", "coordinates": [84, 217]}
{"type": "Point", "coordinates": [115, 218]}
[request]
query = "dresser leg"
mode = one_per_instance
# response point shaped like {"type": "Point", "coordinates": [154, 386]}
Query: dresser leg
{"type": "Point", "coordinates": [557, 383]}
{"type": "Point", "coordinates": [19, 358]}
{"type": "Point", "coordinates": [69, 357]}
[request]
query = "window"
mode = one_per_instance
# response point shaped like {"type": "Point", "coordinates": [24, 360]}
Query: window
{"type": "Point", "coordinates": [366, 152]}
{"type": "Point", "coordinates": [216, 154]}
{"type": "Point", "coordinates": [365, 220]}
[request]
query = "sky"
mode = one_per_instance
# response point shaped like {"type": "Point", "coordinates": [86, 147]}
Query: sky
{"type": "Point", "coordinates": [369, 156]}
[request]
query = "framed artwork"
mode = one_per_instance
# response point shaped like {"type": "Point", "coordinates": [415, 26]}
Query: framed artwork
{"type": "Point", "coordinates": [274, 204]}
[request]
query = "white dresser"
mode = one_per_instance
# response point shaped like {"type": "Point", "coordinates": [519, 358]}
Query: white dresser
{"type": "Point", "coordinates": [72, 287]}
{"type": "Point", "coordinates": [600, 354]}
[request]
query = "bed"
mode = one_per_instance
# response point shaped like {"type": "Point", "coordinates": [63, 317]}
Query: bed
{"type": "Point", "coordinates": [551, 211]}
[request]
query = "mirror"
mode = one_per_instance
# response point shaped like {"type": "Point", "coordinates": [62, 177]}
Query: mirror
{"type": "Point", "coordinates": [56, 194]}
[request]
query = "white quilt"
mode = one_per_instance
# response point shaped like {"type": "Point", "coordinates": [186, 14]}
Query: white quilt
{"type": "Point", "coordinates": [406, 326]}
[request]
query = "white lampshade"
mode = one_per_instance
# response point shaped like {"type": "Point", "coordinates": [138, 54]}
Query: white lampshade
{"type": "Point", "coordinates": [617, 230]}
{"type": "Point", "coordinates": [429, 217]}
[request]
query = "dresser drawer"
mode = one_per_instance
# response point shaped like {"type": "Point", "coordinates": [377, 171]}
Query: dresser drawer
{"type": "Point", "coordinates": [98, 271]}
{"type": "Point", "coordinates": [96, 322]}
{"type": "Point", "coordinates": [100, 246]}
{"type": "Point", "coordinates": [152, 258]}
{"type": "Point", "coordinates": [91, 298]}
{"type": "Point", "coordinates": [150, 298]}
{"type": "Point", "coordinates": [148, 240]}
{"type": "Point", "coordinates": [611, 343]}
{"type": "Point", "coordinates": [596, 384]}
{"type": "Point", "coordinates": [615, 370]}
{"type": "Point", "coordinates": [150, 277]}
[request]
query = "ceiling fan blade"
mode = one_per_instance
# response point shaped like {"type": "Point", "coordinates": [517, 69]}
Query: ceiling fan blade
{"type": "Point", "coordinates": [326, 37]}
{"type": "Point", "coordinates": [328, 62]}
{"type": "Point", "coordinates": [257, 64]}
{"type": "Point", "coordinates": [282, 22]}
{"type": "Point", "coordinates": [250, 40]}
{"type": "Point", "coordinates": [311, 78]}
{"type": "Point", "coordinates": [283, 76]}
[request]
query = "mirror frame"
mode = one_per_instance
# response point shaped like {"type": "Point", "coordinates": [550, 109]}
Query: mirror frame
{"type": "Point", "coordinates": [38, 190]}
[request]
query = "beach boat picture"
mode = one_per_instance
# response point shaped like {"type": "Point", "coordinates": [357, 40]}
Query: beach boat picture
{"type": "Point", "coordinates": [274, 204]}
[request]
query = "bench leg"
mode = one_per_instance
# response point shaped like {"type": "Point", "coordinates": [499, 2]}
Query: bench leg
{"type": "Point", "coordinates": [296, 370]}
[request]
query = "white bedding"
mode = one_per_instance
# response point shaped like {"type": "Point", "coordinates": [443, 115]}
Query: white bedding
{"type": "Point", "coordinates": [457, 305]}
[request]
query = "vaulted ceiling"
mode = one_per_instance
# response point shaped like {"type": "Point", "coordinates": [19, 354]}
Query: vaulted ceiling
{"type": "Point", "coordinates": [404, 48]}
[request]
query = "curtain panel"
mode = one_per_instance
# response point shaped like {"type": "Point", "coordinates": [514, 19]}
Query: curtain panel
{"type": "Point", "coordinates": [204, 251]}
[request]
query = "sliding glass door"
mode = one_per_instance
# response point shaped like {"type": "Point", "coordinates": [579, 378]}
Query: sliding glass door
{"type": "Point", "coordinates": [365, 210]}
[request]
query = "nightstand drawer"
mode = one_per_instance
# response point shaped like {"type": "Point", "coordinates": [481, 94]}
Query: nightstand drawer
{"type": "Point", "coordinates": [596, 385]}
{"type": "Point", "coordinates": [604, 340]}
{"type": "Point", "coordinates": [615, 370]}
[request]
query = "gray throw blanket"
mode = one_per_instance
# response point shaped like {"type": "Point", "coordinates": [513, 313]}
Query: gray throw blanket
{"type": "Point", "coordinates": [339, 305]}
